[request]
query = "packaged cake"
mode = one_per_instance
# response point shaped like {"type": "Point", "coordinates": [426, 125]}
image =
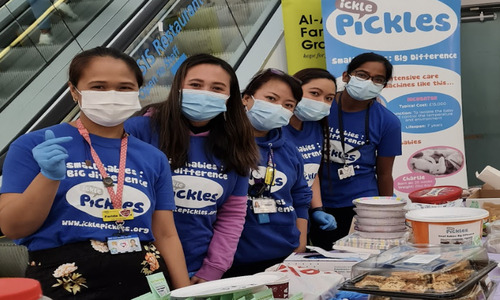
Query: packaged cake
{"type": "Point", "coordinates": [421, 271]}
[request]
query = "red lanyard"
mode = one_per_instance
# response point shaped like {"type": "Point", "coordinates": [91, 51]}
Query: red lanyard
{"type": "Point", "coordinates": [116, 198]}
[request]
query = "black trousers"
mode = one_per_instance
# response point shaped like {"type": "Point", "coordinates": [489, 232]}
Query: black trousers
{"type": "Point", "coordinates": [79, 271]}
{"type": "Point", "coordinates": [325, 239]}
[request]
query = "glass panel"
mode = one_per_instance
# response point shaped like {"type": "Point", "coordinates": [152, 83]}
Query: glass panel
{"type": "Point", "coordinates": [223, 28]}
{"type": "Point", "coordinates": [33, 33]}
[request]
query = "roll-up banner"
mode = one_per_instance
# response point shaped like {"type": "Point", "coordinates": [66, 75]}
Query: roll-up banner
{"type": "Point", "coordinates": [422, 41]}
{"type": "Point", "coordinates": [304, 42]}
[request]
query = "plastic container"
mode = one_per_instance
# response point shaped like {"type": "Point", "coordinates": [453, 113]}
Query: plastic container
{"type": "Point", "coordinates": [447, 225]}
{"type": "Point", "coordinates": [21, 288]}
{"type": "Point", "coordinates": [379, 202]}
{"type": "Point", "coordinates": [421, 272]}
{"type": "Point", "coordinates": [436, 196]}
{"type": "Point", "coordinates": [379, 221]}
{"type": "Point", "coordinates": [379, 213]}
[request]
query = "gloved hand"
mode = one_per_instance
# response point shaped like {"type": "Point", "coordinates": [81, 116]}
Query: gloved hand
{"type": "Point", "coordinates": [326, 221]}
{"type": "Point", "coordinates": [51, 157]}
{"type": "Point", "coordinates": [345, 295]}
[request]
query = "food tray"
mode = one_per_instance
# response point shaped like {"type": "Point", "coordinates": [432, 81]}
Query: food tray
{"type": "Point", "coordinates": [421, 272]}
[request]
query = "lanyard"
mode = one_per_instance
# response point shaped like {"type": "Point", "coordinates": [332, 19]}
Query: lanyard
{"type": "Point", "coordinates": [341, 128]}
{"type": "Point", "coordinates": [116, 198]}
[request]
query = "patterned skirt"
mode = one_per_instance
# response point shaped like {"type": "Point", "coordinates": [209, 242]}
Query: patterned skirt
{"type": "Point", "coordinates": [87, 270]}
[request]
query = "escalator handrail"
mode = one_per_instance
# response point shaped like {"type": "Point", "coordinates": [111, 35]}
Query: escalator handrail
{"type": "Point", "coordinates": [4, 2]}
{"type": "Point", "coordinates": [31, 28]}
{"type": "Point", "coordinates": [61, 103]}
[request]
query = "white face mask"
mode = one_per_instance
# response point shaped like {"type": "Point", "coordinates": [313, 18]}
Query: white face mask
{"type": "Point", "coordinates": [109, 108]}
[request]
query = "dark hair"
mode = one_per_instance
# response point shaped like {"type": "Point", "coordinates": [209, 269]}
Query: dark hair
{"type": "Point", "coordinates": [306, 75]}
{"type": "Point", "coordinates": [81, 60]}
{"type": "Point", "coordinates": [368, 57]}
{"type": "Point", "coordinates": [231, 135]}
{"type": "Point", "coordinates": [266, 75]}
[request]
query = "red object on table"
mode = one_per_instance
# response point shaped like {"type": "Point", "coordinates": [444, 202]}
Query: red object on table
{"type": "Point", "coordinates": [20, 288]}
{"type": "Point", "coordinates": [436, 194]}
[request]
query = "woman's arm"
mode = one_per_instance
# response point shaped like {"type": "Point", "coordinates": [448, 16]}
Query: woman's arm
{"type": "Point", "coordinates": [23, 214]}
{"type": "Point", "coordinates": [168, 243]}
{"type": "Point", "coordinates": [302, 226]}
{"type": "Point", "coordinates": [316, 194]}
{"type": "Point", "coordinates": [227, 232]}
{"type": "Point", "coordinates": [384, 175]}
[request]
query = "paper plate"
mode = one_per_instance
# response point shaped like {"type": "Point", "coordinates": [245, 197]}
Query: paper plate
{"type": "Point", "coordinates": [385, 202]}
{"type": "Point", "coordinates": [379, 213]}
{"type": "Point", "coordinates": [251, 283]}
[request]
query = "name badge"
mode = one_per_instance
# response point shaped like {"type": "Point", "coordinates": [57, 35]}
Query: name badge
{"type": "Point", "coordinates": [264, 206]}
{"type": "Point", "coordinates": [124, 244]}
{"type": "Point", "coordinates": [121, 214]}
{"type": "Point", "coordinates": [346, 172]}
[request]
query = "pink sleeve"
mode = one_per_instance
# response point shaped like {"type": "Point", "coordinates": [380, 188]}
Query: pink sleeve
{"type": "Point", "coordinates": [227, 232]}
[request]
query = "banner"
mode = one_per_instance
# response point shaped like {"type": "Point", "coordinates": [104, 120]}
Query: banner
{"type": "Point", "coordinates": [422, 41]}
{"type": "Point", "coordinates": [303, 34]}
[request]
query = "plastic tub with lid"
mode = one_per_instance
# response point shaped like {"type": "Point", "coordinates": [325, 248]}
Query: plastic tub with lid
{"type": "Point", "coordinates": [436, 196]}
{"type": "Point", "coordinates": [21, 288]}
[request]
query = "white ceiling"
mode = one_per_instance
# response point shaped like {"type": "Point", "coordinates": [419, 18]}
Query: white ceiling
{"type": "Point", "coordinates": [479, 2]}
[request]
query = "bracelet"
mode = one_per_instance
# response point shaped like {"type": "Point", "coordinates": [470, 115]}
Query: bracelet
{"type": "Point", "coordinates": [319, 208]}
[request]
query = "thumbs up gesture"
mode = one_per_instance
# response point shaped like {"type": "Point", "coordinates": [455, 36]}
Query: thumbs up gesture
{"type": "Point", "coordinates": [51, 156]}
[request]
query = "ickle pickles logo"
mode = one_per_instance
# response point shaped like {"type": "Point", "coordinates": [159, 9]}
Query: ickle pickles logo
{"type": "Point", "coordinates": [196, 192]}
{"type": "Point", "coordinates": [91, 198]}
{"type": "Point", "coordinates": [391, 25]}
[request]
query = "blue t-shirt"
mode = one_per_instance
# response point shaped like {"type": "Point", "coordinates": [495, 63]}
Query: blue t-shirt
{"type": "Point", "coordinates": [280, 236]}
{"type": "Point", "coordinates": [385, 141]}
{"type": "Point", "coordinates": [200, 188]}
{"type": "Point", "coordinates": [76, 214]}
{"type": "Point", "coordinates": [309, 143]}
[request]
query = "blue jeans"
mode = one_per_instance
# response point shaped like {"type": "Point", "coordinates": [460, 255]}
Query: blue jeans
{"type": "Point", "coordinates": [38, 7]}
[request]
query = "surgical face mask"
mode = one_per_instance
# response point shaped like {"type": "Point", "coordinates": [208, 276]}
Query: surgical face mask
{"type": "Point", "coordinates": [311, 110]}
{"type": "Point", "coordinates": [109, 108]}
{"type": "Point", "coordinates": [362, 90]}
{"type": "Point", "coordinates": [265, 116]}
{"type": "Point", "coordinates": [200, 105]}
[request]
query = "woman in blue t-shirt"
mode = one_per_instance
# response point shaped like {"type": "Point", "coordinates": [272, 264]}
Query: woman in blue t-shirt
{"type": "Point", "coordinates": [203, 130]}
{"type": "Point", "coordinates": [365, 137]}
{"type": "Point", "coordinates": [278, 194]}
{"type": "Point", "coordinates": [309, 131]}
{"type": "Point", "coordinates": [75, 194]}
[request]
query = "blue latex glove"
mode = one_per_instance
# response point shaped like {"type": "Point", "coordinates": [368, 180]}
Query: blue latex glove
{"type": "Point", "coordinates": [51, 157]}
{"type": "Point", "coordinates": [345, 295]}
{"type": "Point", "coordinates": [326, 221]}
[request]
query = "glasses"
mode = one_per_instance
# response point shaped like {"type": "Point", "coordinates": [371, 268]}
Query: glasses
{"type": "Point", "coordinates": [378, 79]}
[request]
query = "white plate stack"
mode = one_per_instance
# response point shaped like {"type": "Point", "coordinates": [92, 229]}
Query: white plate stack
{"type": "Point", "coordinates": [380, 217]}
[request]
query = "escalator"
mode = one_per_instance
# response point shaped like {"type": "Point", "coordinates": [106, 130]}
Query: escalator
{"type": "Point", "coordinates": [159, 35]}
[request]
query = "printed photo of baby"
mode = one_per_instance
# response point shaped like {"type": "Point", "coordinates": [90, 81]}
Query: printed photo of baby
{"type": "Point", "coordinates": [437, 161]}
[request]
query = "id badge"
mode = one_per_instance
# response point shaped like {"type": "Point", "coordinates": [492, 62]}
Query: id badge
{"type": "Point", "coordinates": [346, 172]}
{"type": "Point", "coordinates": [120, 214]}
{"type": "Point", "coordinates": [264, 206]}
{"type": "Point", "coordinates": [124, 244]}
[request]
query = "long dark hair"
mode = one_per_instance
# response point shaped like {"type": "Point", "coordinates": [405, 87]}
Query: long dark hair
{"type": "Point", "coordinates": [306, 75]}
{"type": "Point", "coordinates": [81, 60]}
{"type": "Point", "coordinates": [266, 75]}
{"type": "Point", "coordinates": [231, 135]}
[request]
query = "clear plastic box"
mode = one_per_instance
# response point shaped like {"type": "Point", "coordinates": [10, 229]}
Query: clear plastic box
{"type": "Point", "coordinates": [421, 272]}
